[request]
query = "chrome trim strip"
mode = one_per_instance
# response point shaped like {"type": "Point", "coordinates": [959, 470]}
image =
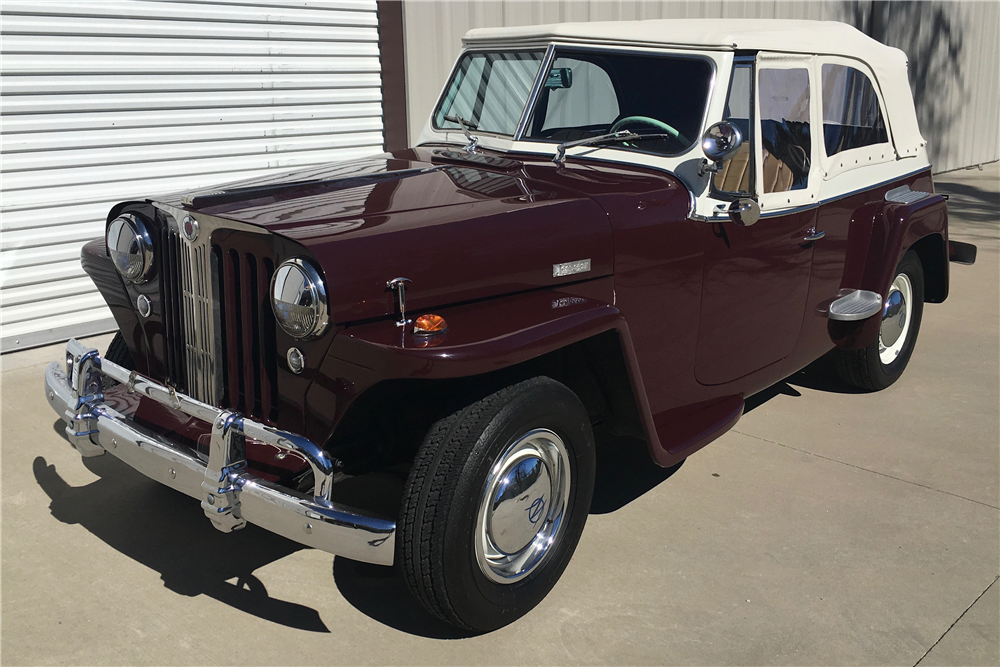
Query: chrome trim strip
{"type": "Point", "coordinates": [806, 207]}
{"type": "Point", "coordinates": [790, 211]}
{"type": "Point", "coordinates": [873, 186]}
{"type": "Point", "coordinates": [231, 497]}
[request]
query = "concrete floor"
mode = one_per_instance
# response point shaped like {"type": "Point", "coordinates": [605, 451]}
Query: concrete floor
{"type": "Point", "coordinates": [827, 528]}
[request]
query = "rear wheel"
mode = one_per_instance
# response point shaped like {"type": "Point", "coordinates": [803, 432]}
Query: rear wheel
{"type": "Point", "coordinates": [883, 362]}
{"type": "Point", "coordinates": [495, 504]}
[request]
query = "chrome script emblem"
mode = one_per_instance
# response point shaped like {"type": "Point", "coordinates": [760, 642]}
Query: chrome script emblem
{"type": "Point", "coordinates": [569, 268]}
{"type": "Point", "coordinates": [189, 228]}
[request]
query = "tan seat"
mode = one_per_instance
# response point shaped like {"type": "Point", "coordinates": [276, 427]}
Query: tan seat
{"type": "Point", "coordinates": [777, 176]}
{"type": "Point", "coordinates": [735, 173]}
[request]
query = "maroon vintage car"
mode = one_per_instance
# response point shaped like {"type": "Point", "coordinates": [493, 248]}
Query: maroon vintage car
{"type": "Point", "coordinates": [633, 224]}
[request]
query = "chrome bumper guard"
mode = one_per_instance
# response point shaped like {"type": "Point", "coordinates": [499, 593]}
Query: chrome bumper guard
{"type": "Point", "coordinates": [230, 496]}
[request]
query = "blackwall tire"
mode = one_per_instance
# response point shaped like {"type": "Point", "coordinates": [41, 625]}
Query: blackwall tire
{"type": "Point", "coordinates": [883, 362]}
{"type": "Point", "coordinates": [490, 486]}
{"type": "Point", "coordinates": [119, 353]}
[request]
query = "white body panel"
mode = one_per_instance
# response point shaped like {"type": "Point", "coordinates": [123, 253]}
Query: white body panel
{"type": "Point", "coordinates": [781, 43]}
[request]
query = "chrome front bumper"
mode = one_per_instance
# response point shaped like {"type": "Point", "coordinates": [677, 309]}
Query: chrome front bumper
{"type": "Point", "coordinates": [230, 495]}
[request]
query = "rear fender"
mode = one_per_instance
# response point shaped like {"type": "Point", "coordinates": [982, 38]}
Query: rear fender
{"type": "Point", "coordinates": [895, 228]}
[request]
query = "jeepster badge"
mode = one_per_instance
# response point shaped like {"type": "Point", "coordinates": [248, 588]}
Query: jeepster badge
{"type": "Point", "coordinates": [570, 268]}
{"type": "Point", "coordinates": [189, 228]}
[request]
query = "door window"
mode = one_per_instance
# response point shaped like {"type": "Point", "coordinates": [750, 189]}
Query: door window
{"type": "Point", "coordinates": [734, 178]}
{"type": "Point", "coordinates": [786, 145]}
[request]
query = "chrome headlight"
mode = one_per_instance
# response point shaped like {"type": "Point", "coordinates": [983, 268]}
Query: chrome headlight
{"type": "Point", "coordinates": [131, 247]}
{"type": "Point", "coordinates": [298, 299]}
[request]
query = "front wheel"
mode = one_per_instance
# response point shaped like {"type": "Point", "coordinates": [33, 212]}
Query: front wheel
{"type": "Point", "coordinates": [495, 504]}
{"type": "Point", "coordinates": [883, 362]}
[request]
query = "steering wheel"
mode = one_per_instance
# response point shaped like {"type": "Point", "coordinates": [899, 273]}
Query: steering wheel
{"type": "Point", "coordinates": [652, 122]}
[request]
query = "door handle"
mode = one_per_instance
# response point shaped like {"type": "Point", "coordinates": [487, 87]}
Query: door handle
{"type": "Point", "coordinates": [813, 235]}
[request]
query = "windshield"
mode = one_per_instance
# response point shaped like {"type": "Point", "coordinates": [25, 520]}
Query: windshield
{"type": "Point", "coordinates": [591, 93]}
{"type": "Point", "coordinates": [489, 91]}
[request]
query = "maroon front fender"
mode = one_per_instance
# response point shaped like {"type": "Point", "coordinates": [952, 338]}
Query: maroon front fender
{"type": "Point", "coordinates": [482, 337]}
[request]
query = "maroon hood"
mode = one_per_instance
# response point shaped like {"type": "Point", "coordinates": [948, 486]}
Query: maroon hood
{"type": "Point", "coordinates": [459, 227]}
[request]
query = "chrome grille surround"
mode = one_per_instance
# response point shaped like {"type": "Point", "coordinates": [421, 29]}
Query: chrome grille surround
{"type": "Point", "coordinates": [199, 285]}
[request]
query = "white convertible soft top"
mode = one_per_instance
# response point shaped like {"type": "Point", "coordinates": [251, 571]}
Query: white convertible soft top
{"type": "Point", "coordinates": [778, 35]}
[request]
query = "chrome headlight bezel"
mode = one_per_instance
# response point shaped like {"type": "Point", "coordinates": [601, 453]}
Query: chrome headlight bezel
{"type": "Point", "coordinates": [143, 246]}
{"type": "Point", "coordinates": [310, 288]}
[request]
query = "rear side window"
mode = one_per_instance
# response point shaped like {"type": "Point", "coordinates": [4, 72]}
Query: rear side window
{"type": "Point", "coordinates": [851, 115]}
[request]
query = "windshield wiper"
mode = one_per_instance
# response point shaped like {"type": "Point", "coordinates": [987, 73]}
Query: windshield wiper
{"type": "Point", "coordinates": [465, 125]}
{"type": "Point", "coordinates": [620, 135]}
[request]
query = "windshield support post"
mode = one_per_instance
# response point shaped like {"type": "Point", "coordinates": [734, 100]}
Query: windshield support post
{"type": "Point", "coordinates": [536, 89]}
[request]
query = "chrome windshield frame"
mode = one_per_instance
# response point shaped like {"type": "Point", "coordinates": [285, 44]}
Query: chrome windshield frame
{"type": "Point", "coordinates": [536, 89]}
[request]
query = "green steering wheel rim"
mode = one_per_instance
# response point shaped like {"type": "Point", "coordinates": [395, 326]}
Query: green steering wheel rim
{"type": "Point", "coordinates": [646, 120]}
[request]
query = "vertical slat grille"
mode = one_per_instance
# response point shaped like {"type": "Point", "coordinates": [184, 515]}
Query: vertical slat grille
{"type": "Point", "coordinates": [219, 328]}
{"type": "Point", "coordinates": [172, 308]}
{"type": "Point", "coordinates": [249, 357]}
{"type": "Point", "coordinates": [268, 344]}
{"type": "Point", "coordinates": [251, 383]}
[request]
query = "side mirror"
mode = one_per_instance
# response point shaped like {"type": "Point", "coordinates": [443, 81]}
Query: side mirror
{"type": "Point", "coordinates": [721, 141]}
{"type": "Point", "coordinates": [744, 212]}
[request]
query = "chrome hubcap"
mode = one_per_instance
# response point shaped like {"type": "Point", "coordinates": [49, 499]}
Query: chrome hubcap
{"type": "Point", "coordinates": [895, 319]}
{"type": "Point", "coordinates": [523, 505]}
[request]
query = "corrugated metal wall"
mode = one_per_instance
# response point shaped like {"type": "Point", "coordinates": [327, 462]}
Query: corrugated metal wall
{"type": "Point", "coordinates": [107, 100]}
{"type": "Point", "coordinates": [954, 50]}
{"type": "Point", "coordinates": [952, 46]}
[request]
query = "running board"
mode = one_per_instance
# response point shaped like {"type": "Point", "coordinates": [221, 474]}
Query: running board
{"type": "Point", "coordinates": [856, 305]}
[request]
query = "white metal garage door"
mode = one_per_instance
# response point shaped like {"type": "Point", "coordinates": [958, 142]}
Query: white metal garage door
{"type": "Point", "coordinates": [112, 100]}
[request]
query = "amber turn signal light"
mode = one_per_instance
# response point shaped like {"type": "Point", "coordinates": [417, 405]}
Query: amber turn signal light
{"type": "Point", "coordinates": [427, 325]}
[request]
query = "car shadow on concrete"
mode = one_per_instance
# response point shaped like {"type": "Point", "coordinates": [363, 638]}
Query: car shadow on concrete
{"type": "Point", "coordinates": [167, 532]}
{"type": "Point", "coordinates": [625, 472]}
{"type": "Point", "coordinates": [976, 208]}
{"type": "Point", "coordinates": [380, 593]}
{"type": "Point", "coordinates": [821, 375]}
